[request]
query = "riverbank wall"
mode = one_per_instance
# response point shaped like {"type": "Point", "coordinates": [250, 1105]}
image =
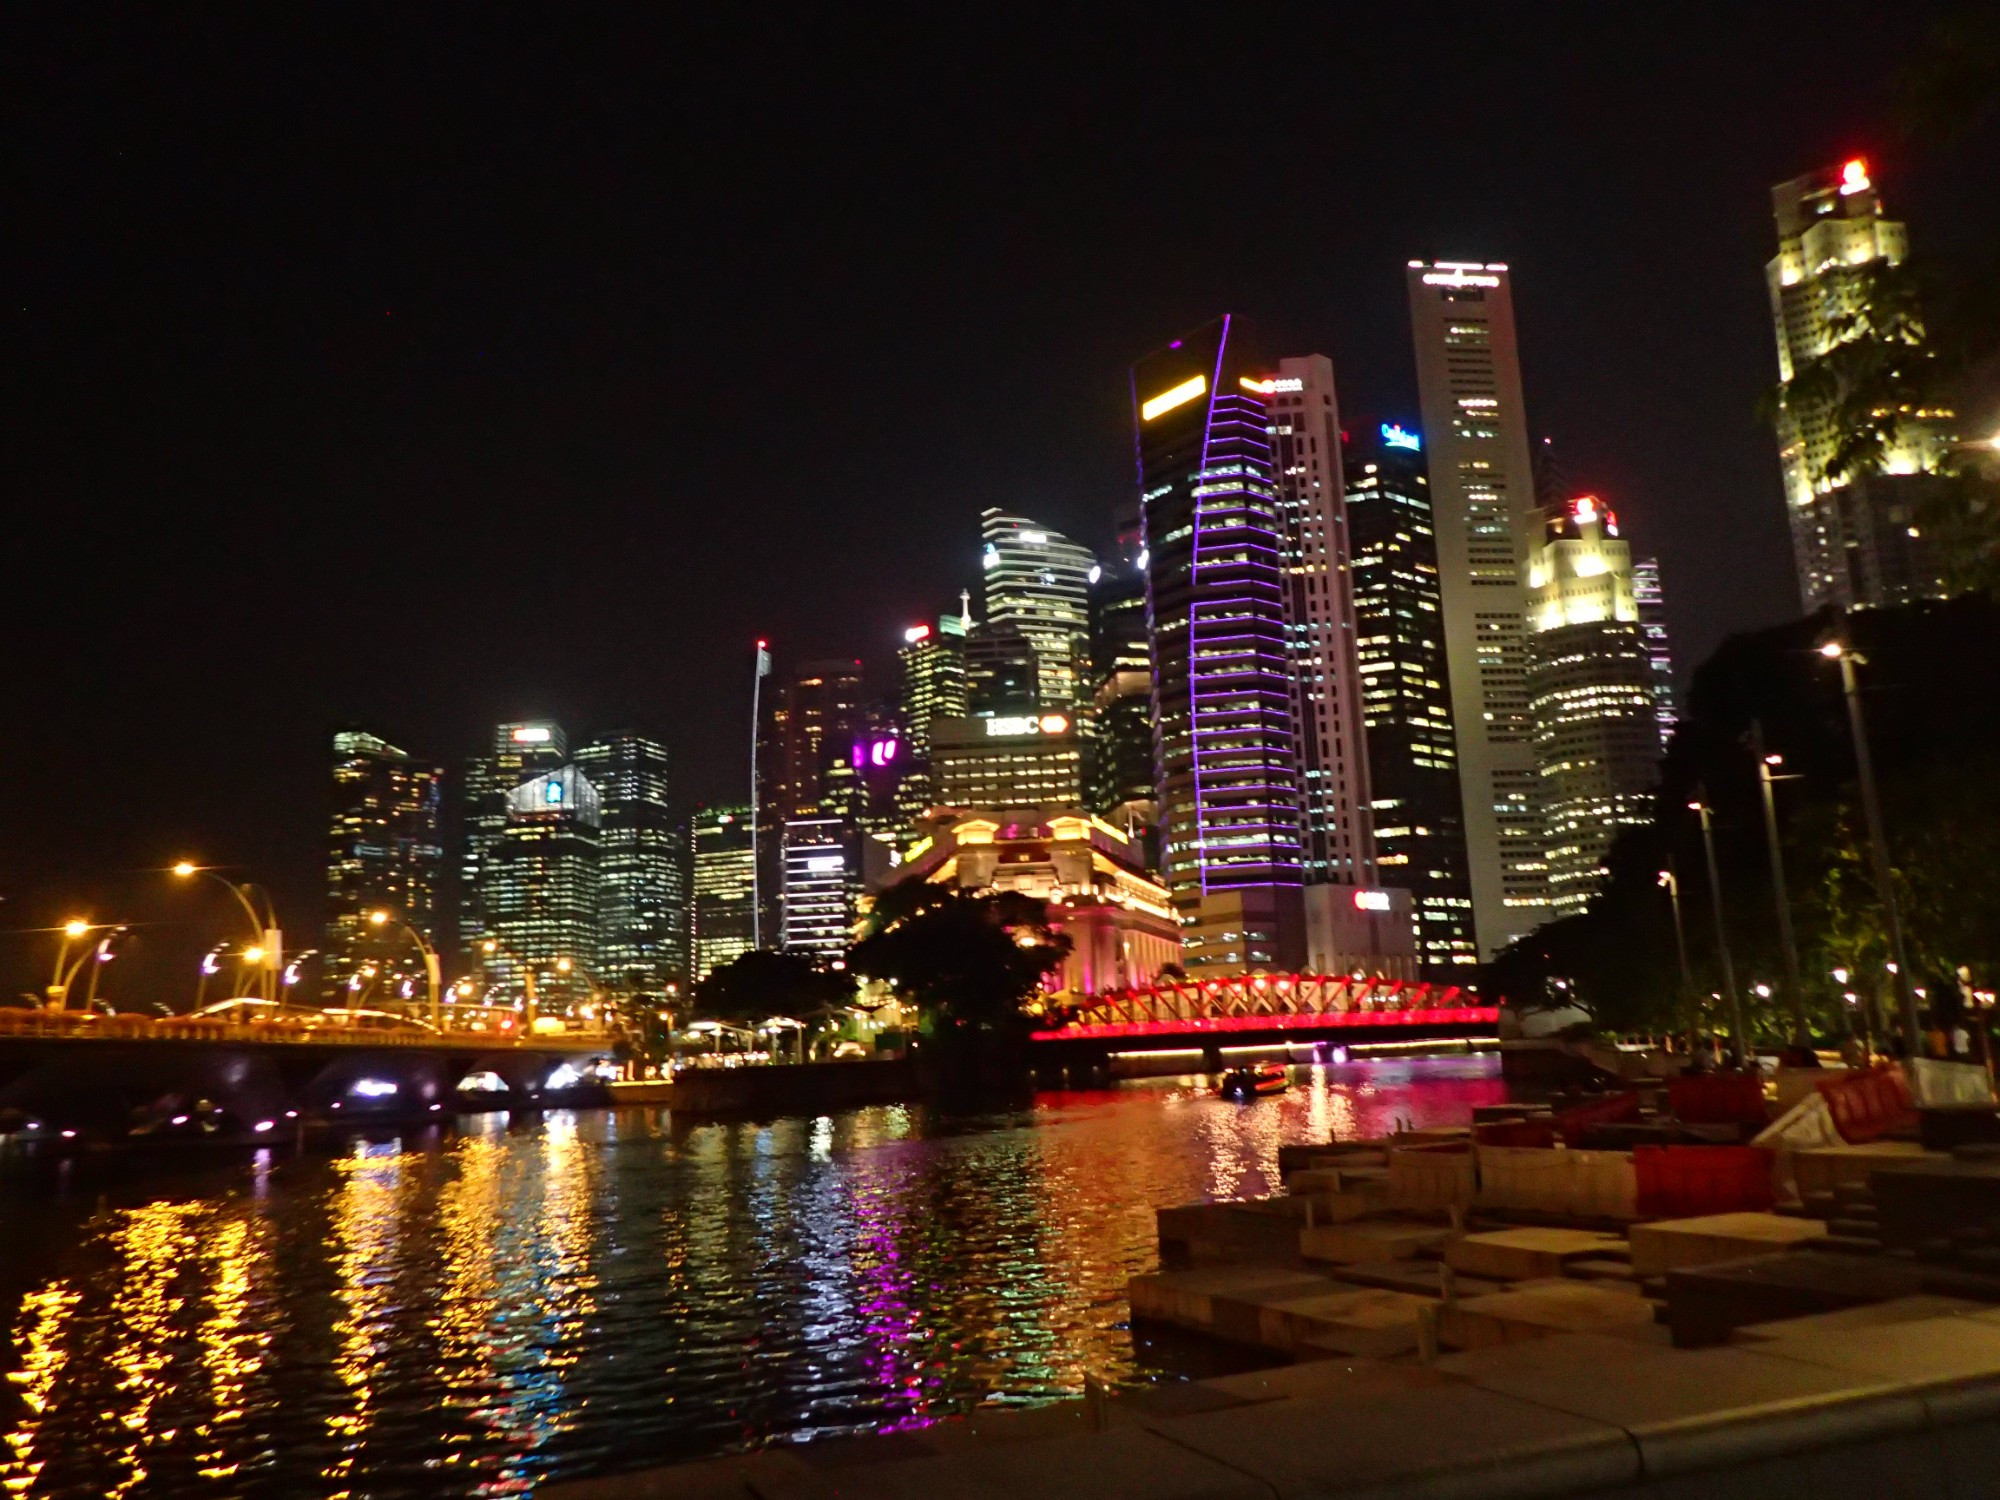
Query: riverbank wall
{"type": "Point", "coordinates": [780, 1089]}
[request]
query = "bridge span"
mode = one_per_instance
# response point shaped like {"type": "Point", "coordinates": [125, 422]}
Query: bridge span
{"type": "Point", "coordinates": [1259, 1010]}
{"type": "Point", "coordinates": [95, 1076]}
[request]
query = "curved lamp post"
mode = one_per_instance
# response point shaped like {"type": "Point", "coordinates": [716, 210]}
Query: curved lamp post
{"type": "Point", "coordinates": [63, 979]}
{"type": "Point", "coordinates": [380, 918]}
{"type": "Point", "coordinates": [267, 941]}
{"type": "Point", "coordinates": [493, 948]}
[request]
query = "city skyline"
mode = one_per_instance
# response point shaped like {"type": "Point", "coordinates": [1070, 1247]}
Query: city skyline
{"type": "Point", "coordinates": [1640, 325]}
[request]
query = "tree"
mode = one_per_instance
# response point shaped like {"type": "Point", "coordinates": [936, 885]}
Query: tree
{"type": "Point", "coordinates": [970, 964]}
{"type": "Point", "coordinates": [762, 983]}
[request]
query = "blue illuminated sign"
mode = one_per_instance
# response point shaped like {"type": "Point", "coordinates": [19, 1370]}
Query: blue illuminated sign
{"type": "Point", "coordinates": [553, 792]}
{"type": "Point", "coordinates": [1395, 437]}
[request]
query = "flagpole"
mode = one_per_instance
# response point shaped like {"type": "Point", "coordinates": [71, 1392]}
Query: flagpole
{"type": "Point", "coordinates": [756, 861]}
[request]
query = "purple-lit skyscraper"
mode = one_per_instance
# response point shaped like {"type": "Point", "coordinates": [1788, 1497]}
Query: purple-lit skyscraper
{"type": "Point", "coordinates": [1225, 745]}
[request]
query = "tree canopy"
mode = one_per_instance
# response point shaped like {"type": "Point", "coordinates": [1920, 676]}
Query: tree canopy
{"type": "Point", "coordinates": [966, 961]}
{"type": "Point", "coordinates": [762, 983]}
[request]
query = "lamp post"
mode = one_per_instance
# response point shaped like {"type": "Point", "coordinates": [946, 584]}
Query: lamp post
{"type": "Point", "coordinates": [379, 918]}
{"type": "Point", "coordinates": [1795, 995]}
{"type": "Point", "coordinates": [1737, 1040]}
{"type": "Point", "coordinates": [1673, 888]}
{"type": "Point", "coordinates": [1878, 843]}
{"type": "Point", "coordinates": [63, 978]}
{"type": "Point", "coordinates": [493, 948]}
{"type": "Point", "coordinates": [266, 941]}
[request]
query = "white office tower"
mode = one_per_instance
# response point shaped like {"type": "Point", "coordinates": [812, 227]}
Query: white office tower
{"type": "Point", "coordinates": [1326, 685]}
{"type": "Point", "coordinates": [1483, 496]}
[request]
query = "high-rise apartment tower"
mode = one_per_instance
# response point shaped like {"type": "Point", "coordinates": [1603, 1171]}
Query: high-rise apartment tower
{"type": "Point", "coordinates": [382, 854]}
{"type": "Point", "coordinates": [642, 875]}
{"type": "Point", "coordinates": [1037, 581]}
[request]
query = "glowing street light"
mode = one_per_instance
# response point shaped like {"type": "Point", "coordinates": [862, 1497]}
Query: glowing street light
{"type": "Point", "coordinates": [381, 918]}
{"type": "Point", "coordinates": [266, 940]}
{"type": "Point", "coordinates": [1878, 841]}
{"type": "Point", "coordinates": [1739, 1043]}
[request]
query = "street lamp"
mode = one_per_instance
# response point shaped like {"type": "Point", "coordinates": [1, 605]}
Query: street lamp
{"type": "Point", "coordinates": [1673, 888]}
{"type": "Point", "coordinates": [266, 941]}
{"type": "Point", "coordinates": [1737, 1040]}
{"type": "Point", "coordinates": [63, 978]}
{"type": "Point", "coordinates": [380, 918]}
{"type": "Point", "coordinates": [1878, 842]}
{"type": "Point", "coordinates": [493, 948]}
{"type": "Point", "coordinates": [1795, 994]}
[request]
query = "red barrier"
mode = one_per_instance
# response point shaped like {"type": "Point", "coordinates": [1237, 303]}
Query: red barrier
{"type": "Point", "coordinates": [1539, 1132]}
{"type": "Point", "coordinates": [1719, 1099]}
{"type": "Point", "coordinates": [1611, 1111]}
{"type": "Point", "coordinates": [1867, 1106]}
{"type": "Point", "coordinates": [1677, 1182]}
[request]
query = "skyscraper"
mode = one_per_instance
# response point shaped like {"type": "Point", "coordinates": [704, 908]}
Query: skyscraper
{"type": "Point", "coordinates": [722, 888]}
{"type": "Point", "coordinates": [806, 767]}
{"type": "Point", "coordinates": [1590, 689]}
{"type": "Point", "coordinates": [1653, 628]}
{"type": "Point", "coordinates": [1119, 773]}
{"type": "Point", "coordinates": [1339, 845]}
{"type": "Point", "coordinates": [1855, 540]}
{"type": "Point", "coordinates": [1225, 748]}
{"type": "Point", "coordinates": [1003, 675]}
{"type": "Point", "coordinates": [642, 896]}
{"type": "Point", "coordinates": [382, 852]}
{"type": "Point", "coordinates": [1406, 696]}
{"type": "Point", "coordinates": [539, 889]}
{"type": "Point", "coordinates": [933, 663]}
{"type": "Point", "coordinates": [1037, 582]}
{"type": "Point", "coordinates": [820, 860]}
{"type": "Point", "coordinates": [1483, 502]}
{"type": "Point", "coordinates": [520, 750]}
{"type": "Point", "coordinates": [1029, 760]}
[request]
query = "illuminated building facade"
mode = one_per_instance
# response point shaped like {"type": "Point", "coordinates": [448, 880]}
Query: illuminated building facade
{"type": "Point", "coordinates": [1037, 582]}
{"type": "Point", "coordinates": [1646, 592]}
{"type": "Point", "coordinates": [1406, 696]}
{"type": "Point", "coordinates": [933, 664]}
{"type": "Point", "coordinates": [1023, 760]}
{"type": "Point", "coordinates": [722, 888]}
{"type": "Point", "coordinates": [1338, 842]}
{"type": "Point", "coordinates": [382, 853]}
{"type": "Point", "coordinates": [1119, 771]}
{"type": "Point", "coordinates": [1590, 686]}
{"type": "Point", "coordinates": [805, 763]}
{"type": "Point", "coordinates": [1120, 921]}
{"type": "Point", "coordinates": [642, 874]}
{"type": "Point", "coordinates": [1225, 749]}
{"type": "Point", "coordinates": [1855, 540]}
{"type": "Point", "coordinates": [1002, 672]}
{"type": "Point", "coordinates": [539, 890]}
{"type": "Point", "coordinates": [821, 861]}
{"type": "Point", "coordinates": [519, 750]}
{"type": "Point", "coordinates": [1486, 523]}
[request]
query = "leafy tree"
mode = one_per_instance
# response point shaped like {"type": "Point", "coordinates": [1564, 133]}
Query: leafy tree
{"type": "Point", "coordinates": [970, 964]}
{"type": "Point", "coordinates": [762, 983]}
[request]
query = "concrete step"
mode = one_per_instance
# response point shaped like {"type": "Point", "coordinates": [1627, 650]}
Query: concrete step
{"type": "Point", "coordinates": [1599, 1268]}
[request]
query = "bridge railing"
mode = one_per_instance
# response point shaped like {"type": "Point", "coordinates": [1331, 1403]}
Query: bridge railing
{"type": "Point", "coordinates": [301, 1031]}
{"type": "Point", "coordinates": [1279, 1001]}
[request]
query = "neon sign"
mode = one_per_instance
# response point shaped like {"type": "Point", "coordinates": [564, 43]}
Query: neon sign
{"type": "Point", "coordinates": [1395, 437]}
{"type": "Point", "coordinates": [1371, 900]}
{"type": "Point", "coordinates": [1180, 395]}
{"type": "Point", "coordinates": [1854, 177]}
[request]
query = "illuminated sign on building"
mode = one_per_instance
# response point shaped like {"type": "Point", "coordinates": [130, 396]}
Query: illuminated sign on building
{"type": "Point", "coordinates": [1459, 278]}
{"type": "Point", "coordinates": [917, 633]}
{"type": "Point", "coordinates": [1371, 900]}
{"type": "Point", "coordinates": [825, 864]}
{"type": "Point", "coordinates": [1180, 395]}
{"type": "Point", "coordinates": [1854, 177]}
{"type": "Point", "coordinates": [534, 734]}
{"type": "Point", "coordinates": [552, 793]}
{"type": "Point", "coordinates": [1004, 726]}
{"type": "Point", "coordinates": [1396, 437]}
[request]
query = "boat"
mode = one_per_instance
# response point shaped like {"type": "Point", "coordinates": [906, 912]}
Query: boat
{"type": "Point", "coordinates": [1253, 1082]}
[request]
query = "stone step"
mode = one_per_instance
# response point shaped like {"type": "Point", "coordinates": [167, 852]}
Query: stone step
{"type": "Point", "coordinates": [1849, 1244]}
{"type": "Point", "coordinates": [1855, 1229]}
{"type": "Point", "coordinates": [1528, 1254]}
{"type": "Point", "coordinates": [1598, 1268]}
{"type": "Point", "coordinates": [1369, 1240]}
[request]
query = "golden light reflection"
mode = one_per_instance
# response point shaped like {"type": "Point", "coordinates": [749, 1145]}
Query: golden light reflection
{"type": "Point", "coordinates": [365, 1227]}
{"type": "Point", "coordinates": [233, 1253]}
{"type": "Point", "coordinates": [45, 1316]}
{"type": "Point", "coordinates": [155, 1242]}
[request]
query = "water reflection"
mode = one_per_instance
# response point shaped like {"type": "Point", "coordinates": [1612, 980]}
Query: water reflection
{"type": "Point", "coordinates": [469, 1313]}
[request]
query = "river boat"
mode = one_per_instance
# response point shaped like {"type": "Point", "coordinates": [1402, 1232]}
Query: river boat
{"type": "Point", "coordinates": [1253, 1082]}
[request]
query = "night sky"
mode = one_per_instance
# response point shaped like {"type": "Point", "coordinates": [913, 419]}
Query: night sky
{"type": "Point", "coordinates": [414, 367]}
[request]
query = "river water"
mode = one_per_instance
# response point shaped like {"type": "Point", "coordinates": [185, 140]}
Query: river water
{"type": "Point", "coordinates": [470, 1311]}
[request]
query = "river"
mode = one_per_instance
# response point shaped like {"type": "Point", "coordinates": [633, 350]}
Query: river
{"type": "Point", "coordinates": [471, 1310]}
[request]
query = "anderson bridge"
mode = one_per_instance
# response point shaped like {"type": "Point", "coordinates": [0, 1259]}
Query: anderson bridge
{"type": "Point", "coordinates": [1257, 1010]}
{"type": "Point", "coordinates": [68, 1072]}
